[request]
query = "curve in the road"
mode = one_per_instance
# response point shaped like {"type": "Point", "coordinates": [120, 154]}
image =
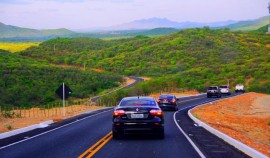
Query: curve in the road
{"type": "Point", "coordinates": [137, 80]}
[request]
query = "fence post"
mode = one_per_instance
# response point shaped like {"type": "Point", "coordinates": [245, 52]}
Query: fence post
{"type": "Point", "coordinates": [24, 115]}
{"type": "Point", "coordinates": [20, 111]}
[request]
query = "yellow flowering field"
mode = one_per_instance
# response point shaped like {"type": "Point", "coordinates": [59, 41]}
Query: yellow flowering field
{"type": "Point", "coordinates": [17, 46]}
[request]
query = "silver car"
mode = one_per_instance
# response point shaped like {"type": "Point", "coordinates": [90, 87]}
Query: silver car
{"type": "Point", "coordinates": [225, 89]}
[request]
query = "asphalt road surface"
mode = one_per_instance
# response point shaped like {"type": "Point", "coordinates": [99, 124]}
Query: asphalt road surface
{"type": "Point", "coordinates": [88, 135]}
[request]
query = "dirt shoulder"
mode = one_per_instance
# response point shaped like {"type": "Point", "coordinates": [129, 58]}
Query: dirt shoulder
{"type": "Point", "coordinates": [37, 115]}
{"type": "Point", "coordinates": [245, 118]}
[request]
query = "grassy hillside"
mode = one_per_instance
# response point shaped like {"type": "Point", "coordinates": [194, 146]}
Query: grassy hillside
{"type": "Point", "coordinates": [262, 30]}
{"type": "Point", "coordinates": [71, 50]}
{"type": "Point", "coordinates": [249, 25]}
{"type": "Point", "coordinates": [192, 58]}
{"type": "Point", "coordinates": [56, 32]}
{"type": "Point", "coordinates": [158, 31]}
{"type": "Point", "coordinates": [14, 32]}
{"type": "Point", "coordinates": [25, 81]}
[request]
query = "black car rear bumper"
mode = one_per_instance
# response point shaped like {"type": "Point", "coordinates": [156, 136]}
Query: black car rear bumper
{"type": "Point", "coordinates": [242, 91]}
{"type": "Point", "coordinates": [138, 128]}
{"type": "Point", "coordinates": [167, 106]}
{"type": "Point", "coordinates": [123, 126]}
{"type": "Point", "coordinates": [213, 94]}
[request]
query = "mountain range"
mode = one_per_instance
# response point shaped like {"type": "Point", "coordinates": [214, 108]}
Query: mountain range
{"type": "Point", "coordinates": [149, 27]}
{"type": "Point", "coordinates": [163, 22]}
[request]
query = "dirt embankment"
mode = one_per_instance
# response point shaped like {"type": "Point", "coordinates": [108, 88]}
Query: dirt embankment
{"type": "Point", "coordinates": [177, 94]}
{"type": "Point", "coordinates": [245, 118]}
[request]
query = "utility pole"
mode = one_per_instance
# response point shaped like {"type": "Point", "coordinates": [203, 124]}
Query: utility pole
{"type": "Point", "coordinates": [268, 31]}
{"type": "Point", "coordinates": [228, 82]}
{"type": "Point", "coordinates": [64, 110]}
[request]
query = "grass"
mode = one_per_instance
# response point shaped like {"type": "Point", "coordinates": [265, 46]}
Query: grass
{"type": "Point", "coordinates": [17, 46]}
{"type": "Point", "coordinates": [9, 127]}
{"type": "Point", "coordinates": [268, 123]}
{"type": "Point", "coordinates": [197, 116]}
{"type": "Point", "coordinates": [8, 114]}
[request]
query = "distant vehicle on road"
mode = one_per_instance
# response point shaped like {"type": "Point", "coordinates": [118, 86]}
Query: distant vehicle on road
{"type": "Point", "coordinates": [213, 91]}
{"type": "Point", "coordinates": [225, 89]}
{"type": "Point", "coordinates": [240, 88]}
{"type": "Point", "coordinates": [137, 115]}
{"type": "Point", "coordinates": [167, 101]}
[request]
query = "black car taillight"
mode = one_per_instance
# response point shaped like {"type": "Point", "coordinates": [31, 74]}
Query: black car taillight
{"type": "Point", "coordinates": [173, 101]}
{"type": "Point", "coordinates": [119, 113]}
{"type": "Point", "coordinates": [156, 112]}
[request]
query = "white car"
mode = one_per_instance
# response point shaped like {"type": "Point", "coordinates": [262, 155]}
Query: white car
{"type": "Point", "coordinates": [225, 90]}
{"type": "Point", "coordinates": [240, 88]}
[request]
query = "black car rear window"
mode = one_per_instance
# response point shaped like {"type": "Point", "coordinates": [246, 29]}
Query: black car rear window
{"type": "Point", "coordinates": [212, 88]}
{"type": "Point", "coordinates": [138, 102]}
{"type": "Point", "coordinates": [166, 96]}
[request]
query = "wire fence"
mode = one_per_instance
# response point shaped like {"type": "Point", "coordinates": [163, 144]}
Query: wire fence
{"type": "Point", "coordinates": [50, 110]}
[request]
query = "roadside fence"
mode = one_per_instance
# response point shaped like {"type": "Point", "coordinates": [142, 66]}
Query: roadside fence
{"type": "Point", "coordinates": [49, 110]}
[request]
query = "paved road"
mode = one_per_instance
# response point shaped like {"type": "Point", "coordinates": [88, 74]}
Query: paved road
{"type": "Point", "coordinates": [77, 135]}
{"type": "Point", "coordinates": [137, 80]}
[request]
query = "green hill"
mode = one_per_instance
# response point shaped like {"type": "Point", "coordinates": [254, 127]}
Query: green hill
{"type": "Point", "coordinates": [70, 50]}
{"type": "Point", "coordinates": [8, 31]}
{"type": "Point", "coordinates": [56, 32]}
{"type": "Point", "coordinates": [158, 31]}
{"type": "Point", "coordinates": [26, 82]}
{"type": "Point", "coordinates": [192, 58]}
{"type": "Point", "coordinates": [249, 25]}
{"type": "Point", "coordinates": [262, 30]}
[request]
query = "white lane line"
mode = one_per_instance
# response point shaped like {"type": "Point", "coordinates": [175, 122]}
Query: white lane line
{"type": "Point", "coordinates": [53, 130]}
{"type": "Point", "coordinates": [190, 141]}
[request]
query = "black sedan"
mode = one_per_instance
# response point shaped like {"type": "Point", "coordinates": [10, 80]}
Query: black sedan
{"type": "Point", "coordinates": [137, 115]}
{"type": "Point", "coordinates": [167, 101]}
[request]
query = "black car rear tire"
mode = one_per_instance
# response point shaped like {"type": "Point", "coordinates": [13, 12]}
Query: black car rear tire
{"type": "Point", "coordinates": [161, 135]}
{"type": "Point", "coordinates": [115, 135]}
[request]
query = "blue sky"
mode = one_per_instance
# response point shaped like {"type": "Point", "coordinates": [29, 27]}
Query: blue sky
{"type": "Point", "coordinates": [83, 14]}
